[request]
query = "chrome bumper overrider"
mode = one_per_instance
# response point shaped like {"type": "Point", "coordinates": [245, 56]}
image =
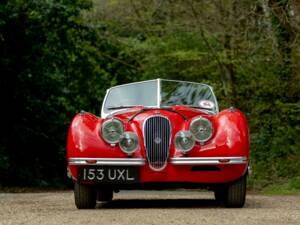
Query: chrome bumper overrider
{"type": "Point", "coordinates": [208, 160]}
{"type": "Point", "coordinates": [174, 161]}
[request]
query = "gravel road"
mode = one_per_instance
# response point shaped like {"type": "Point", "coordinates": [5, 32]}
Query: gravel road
{"type": "Point", "coordinates": [147, 207]}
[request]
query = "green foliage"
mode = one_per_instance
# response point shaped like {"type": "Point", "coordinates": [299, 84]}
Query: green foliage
{"type": "Point", "coordinates": [294, 183]}
{"type": "Point", "coordinates": [52, 65]}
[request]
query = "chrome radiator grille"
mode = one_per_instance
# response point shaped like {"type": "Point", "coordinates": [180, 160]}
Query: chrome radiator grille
{"type": "Point", "coordinates": [157, 133]}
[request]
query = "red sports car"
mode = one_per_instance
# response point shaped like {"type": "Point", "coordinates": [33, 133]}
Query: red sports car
{"type": "Point", "coordinates": [159, 134]}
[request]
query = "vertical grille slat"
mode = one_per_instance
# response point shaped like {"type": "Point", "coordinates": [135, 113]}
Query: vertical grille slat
{"type": "Point", "coordinates": [157, 133]}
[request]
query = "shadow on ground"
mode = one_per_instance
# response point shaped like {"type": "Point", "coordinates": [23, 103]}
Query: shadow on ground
{"type": "Point", "coordinates": [160, 203]}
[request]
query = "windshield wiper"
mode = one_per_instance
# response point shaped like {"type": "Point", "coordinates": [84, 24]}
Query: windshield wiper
{"type": "Point", "coordinates": [123, 107]}
{"type": "Point", "coordinates": [199, 107]}
{"type": "Point", "coordinates": [210, 111]}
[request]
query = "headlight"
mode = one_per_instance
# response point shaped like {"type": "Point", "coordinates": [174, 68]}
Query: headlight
{"type": "Point", "coordinates": [129, 142]}
{"type": "Point", "coordinates": [202, 129]}
{"type": "Point", "coordinates": [184, 141]}
{"type": "Point", "coordinates": [112, 130]}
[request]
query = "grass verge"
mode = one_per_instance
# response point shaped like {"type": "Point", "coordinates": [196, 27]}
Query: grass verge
{"type": "Point", "coordinates": [284, 187]}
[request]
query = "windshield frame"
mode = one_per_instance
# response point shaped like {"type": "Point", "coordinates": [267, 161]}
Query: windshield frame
{"type": "Point", "coordinates": [158, 105]}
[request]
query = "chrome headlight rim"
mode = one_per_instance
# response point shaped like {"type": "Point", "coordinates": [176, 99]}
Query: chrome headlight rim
{"type": "Point", "coordinates": [187, 134]}
{"type": "Point", "coordinates": [121, 131]}
{"type": "Point", "coordinates": [194, 120]}
{"type": "Point", "coordinates": [135, 139]}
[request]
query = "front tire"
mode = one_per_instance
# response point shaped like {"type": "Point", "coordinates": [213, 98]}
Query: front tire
{"type": "Point", "coordinates": [85, 196]}
{"type": "Point", "coordinates": [236, 193]}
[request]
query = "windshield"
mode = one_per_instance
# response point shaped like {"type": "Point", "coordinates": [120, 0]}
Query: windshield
{"type": "Point", "coordinates": [158, 93]}
{"type": "Point", "coordinates": [135, 94]}
{"type": "Point", "coordinates": [184, 93]}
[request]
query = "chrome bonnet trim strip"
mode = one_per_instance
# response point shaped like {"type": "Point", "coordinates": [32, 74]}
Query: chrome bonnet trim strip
{"type": "Point", "coordinates": [209, 160]}
{"type": "Point", "coordinates": [107, 161]}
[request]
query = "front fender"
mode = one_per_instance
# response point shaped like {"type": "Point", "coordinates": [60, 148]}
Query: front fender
{"type": "Point", "coordinates": [84, 139]}
{"type": "Point", "coordinates": [232, 132]}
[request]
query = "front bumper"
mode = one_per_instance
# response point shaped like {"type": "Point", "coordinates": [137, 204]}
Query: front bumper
{"type": "Point", "coordinates": [183, 169]}
{"type": "Point", "coordinates": [107, 161]}
{"type": "Point", "coordinates": [174, 161]}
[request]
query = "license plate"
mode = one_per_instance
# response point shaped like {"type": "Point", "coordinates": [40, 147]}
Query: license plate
{"type": "Point", "coordinates": [109, 175]}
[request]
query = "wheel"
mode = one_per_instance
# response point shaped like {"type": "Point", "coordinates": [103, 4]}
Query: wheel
{"type": "Point", "coordinates": [104, 195]}
{"type": "Point", "coordinates": [236, 193]}
{"type": "Point", "coordinates": [85, 196]}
